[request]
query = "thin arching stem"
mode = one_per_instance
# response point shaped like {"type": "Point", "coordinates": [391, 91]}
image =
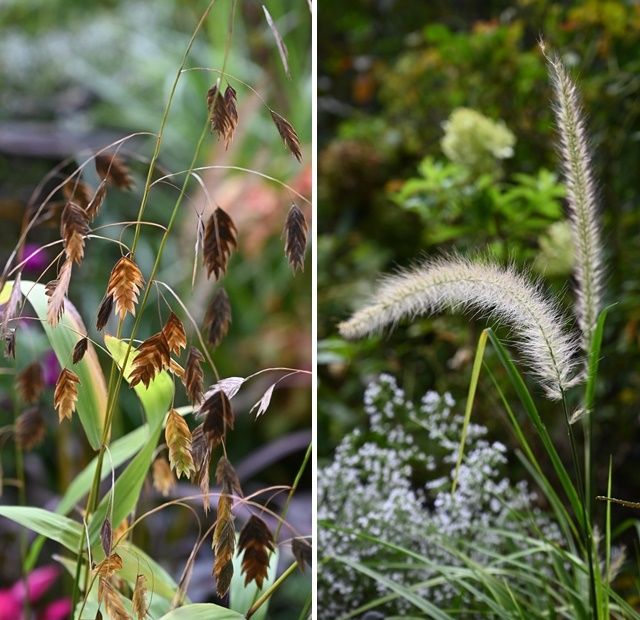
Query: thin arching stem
{"type": "Point", "coordinates": [115, 382]}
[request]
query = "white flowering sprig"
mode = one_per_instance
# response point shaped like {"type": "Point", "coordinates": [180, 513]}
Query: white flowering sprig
{"type": "Point", "coordinates": [581, 196]}
{"type": "Point", "coordinates": [371, 487]}
{"type": "Point", "coordinates": [499, 293]}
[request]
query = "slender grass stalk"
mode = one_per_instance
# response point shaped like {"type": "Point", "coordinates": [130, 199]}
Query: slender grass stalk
{"type": "Point", "coordinates": [587, 531]}
{"type": "Point", "coordinates": [292, 490]}
{"type": "Point", "coordinates": [267, 594]}
{"type": "Point", "coordinates": [22, 500]}
{"type": "Point", "coordinates": [473, 385]}
{"type": "Point", "coordinates": [607, 542]}
{"type": "Point", "coordinates": [163, 123]}
{"type": "Point", "coordinates": [113, 389]}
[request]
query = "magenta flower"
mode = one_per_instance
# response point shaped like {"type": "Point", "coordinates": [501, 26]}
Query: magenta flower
{"type": "Point", "coordinates": [38, 583]}
{"type": "Point", "coordinates": [36, 258]}
{"type": "Point", "coordinates": [57, 610]}
{"type": "Point", "coordinates": [10, 606]}
{"type": "Point", "coordinates": [50, 368]}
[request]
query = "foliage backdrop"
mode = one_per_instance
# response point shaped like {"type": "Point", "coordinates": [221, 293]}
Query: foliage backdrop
{"type": "Point", "coordinates": [389, 78]}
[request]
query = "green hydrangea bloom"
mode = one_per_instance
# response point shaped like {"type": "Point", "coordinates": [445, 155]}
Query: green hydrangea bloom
{"type": "Point", "coordinates": [556, 256]}
{"type": "Point", "coordinates": [475, 141]}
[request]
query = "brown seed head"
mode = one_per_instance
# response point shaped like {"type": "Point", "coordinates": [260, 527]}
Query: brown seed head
{"type": "Point", "coordinates": [220, 239]}
{"type": "Point", "coordinates": [257, 542]}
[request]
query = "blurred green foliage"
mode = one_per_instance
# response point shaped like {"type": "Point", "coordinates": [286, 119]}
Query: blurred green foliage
{"type": "Point", "coordinates": [389, 78]}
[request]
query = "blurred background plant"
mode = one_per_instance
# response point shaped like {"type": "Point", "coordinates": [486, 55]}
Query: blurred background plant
{"type": "Point", "coordinates": [78, 75]}
{"type": "Point", "coordinates": [393, 84]}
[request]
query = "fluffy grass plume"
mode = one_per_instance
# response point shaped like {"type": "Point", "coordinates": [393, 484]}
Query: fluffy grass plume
{"type": "Point", "coordinates": [498, 293]}
{"type": "Point", "coordinates": [581, 196]}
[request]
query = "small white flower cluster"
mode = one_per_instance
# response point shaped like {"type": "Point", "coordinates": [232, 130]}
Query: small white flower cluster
{"type": "Point", "coordinates": [393, 482]}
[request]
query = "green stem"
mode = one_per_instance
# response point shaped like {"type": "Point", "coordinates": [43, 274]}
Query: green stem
{"type": "Point", "coordinates": [270, 591]}
{"type": "Point", "coordinates": [586, 524]}
{"type": "Point", "coordinates": [163, 124]}
{"type": "Point", "coordinates": [113, 390]}
{"type": "Point", "coordinates": [292, 490]}
{"type": "Point", "coordinates": [588, 471]}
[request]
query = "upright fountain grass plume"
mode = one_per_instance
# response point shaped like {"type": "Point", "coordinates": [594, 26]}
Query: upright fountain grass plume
{"type": "Point", "coordinates": [581, 194]}
{"type": "Point", "coordinates": [499, 293]}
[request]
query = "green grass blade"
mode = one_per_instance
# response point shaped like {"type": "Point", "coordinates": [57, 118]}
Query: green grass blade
{"type": "Point", "coordinates": [156, 400]}
{"type": "Point", "coordinates": [473, 385]}
{"type": "Point", "coordinates": [55, 527]}
{"type": "Point", "coordinates": [607, 542]}
{"type": "Point", "coordinates": [533, 466]}
{"type": "Point", "coordinates": [417, 601]}
{"type": "Point", "coordinates": [135, 562]}
{"type": "Point", "coordinates": [160, 585]}
{"type": "Point", "coordinates": [92, 391]}
{"type": "Point", "coordinates": [126, 489]}
{"type": "Point", "coordinates": [121, 450]}
{"type": "Point", "coordinates": [532, 412]}
{"type": "Point", "coordinates": [202, 611]}
{"type": "Point", "coordinates": [588, 404]}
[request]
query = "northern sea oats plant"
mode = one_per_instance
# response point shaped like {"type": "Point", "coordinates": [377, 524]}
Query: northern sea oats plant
{"type": "Point", "coordinates": [112, 575]}
{"type": "Point", "coordinates": [559, 357]}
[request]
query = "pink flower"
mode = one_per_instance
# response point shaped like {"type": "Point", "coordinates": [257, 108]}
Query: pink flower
{"type": "Point", "coordinates": [36, 258]}
{"type": "Point", "coordinates": [10, 606]}
{"type": "Point", "coordinates": [58, 610]}
{"type": "Point", "coordinates": [38, 583]}
{"type": "Point", "coordinates": [50, 368]}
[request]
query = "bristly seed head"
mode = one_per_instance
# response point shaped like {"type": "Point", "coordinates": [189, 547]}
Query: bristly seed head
{"type": "Point", "coordinates": [460, 285]}
{"type": "Point", "coordinates": [581, 195]}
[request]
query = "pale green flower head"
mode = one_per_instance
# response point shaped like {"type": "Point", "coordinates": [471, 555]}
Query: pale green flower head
{"type": "Point", "coordinates": [556, 257]}
{"type": "Point", "coordinates": [475, 141]}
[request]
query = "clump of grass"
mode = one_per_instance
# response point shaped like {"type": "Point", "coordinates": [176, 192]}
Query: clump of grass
{"type": "Point", "coordinates": [552, 353]}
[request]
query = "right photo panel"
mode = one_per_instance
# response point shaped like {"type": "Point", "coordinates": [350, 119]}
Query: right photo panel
{"type": "Point", "coordinates": [478, 358]}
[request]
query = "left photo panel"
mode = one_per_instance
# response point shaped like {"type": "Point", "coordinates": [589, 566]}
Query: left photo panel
{"type": "Point", "coordinates": [155, 310]}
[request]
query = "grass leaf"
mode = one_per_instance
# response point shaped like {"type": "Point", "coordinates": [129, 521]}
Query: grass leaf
{"type": "Point", "coordinates": [55, 527]}
{"type": "Point", "coordinates": [156, 400]}
{"type": "Point", "coordinates": [92, 391]}
{"type": "Point", "coordinates": [203, 611]}
{"type": "Point", "coordinates": [473, 385]}
{"type": "Point", "coordinates": [411, 597]}
{"type": "Point", "coordinates": [532, 412]}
